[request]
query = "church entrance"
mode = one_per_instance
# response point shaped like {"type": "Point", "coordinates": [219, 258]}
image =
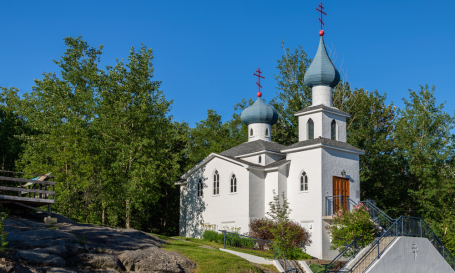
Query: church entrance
{"type": "Point", "coordinates": [340, 193]}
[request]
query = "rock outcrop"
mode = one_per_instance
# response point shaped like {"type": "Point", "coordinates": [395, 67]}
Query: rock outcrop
{"type": "Point", "coordinates": [70, 247]}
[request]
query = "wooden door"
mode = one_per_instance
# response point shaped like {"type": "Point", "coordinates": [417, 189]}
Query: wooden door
{"type": "Point", "coordinates": [340, 193]}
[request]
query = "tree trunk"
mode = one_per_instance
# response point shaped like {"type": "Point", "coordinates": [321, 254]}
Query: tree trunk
{"type": "Point", "coordinates": [102, 215]}
{"type": "Point", "coordinates": [128, 213]}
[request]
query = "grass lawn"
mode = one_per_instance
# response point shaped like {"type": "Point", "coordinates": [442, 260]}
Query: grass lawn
{"type": "Point", "coordinates": [210, 260]}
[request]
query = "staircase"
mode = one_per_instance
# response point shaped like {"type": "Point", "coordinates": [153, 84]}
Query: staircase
{"type": "Point", "coordinates": [392, 229]}
{"type": "Point", "coordinates": [368, 258]}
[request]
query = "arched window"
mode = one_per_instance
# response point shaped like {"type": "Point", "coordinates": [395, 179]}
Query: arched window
{"type": "Point", "coordinates": [267, 132]}
{"type": "Point", "coordinates": [216, 183]}
{"type": "Point", "coordinates": [200, 187]}
{"type": "Point", "coordinates": [333, 130]}
{"type": "Point", "coordinates": [251, 131]}
{"type": "Point", "coordinates": [260, 159]}
{"type": "Point", "coordinates": [303, 182]}
{"type": "Point", "coordinates": [310, 129]}
{"type": "Point", "coordinates": [233, 183]}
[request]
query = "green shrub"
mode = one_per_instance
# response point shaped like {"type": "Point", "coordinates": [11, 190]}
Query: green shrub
{"type": "Point", "coordinates": [210, 236]}
{"type": "Point", "coordinates": [3, 242]}
{"type": "Point", "coordinates": [317, 268]}
{"type": "Point", "coordinates": [352, 225]}
{"type": "Point", "coordinates": [220, 238]}
{"type": "Point", "coordinates": [297, 254]}
{"type": "Point", "coordinates": [237, 241]}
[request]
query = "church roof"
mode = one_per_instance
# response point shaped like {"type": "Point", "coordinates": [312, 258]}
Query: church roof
{"type": "Point", "coordinates": [321, 71]}
{"type": "Point", "coordinates": [322, 140]}
{"type": "Point", "coordinates": [271, 165]}
{"type": "Point", "coordinates": [320, 106]}
{"type": "Point", "coordinates": [259, 112]}
{"type": "Point", "coordinates": [252, 147]}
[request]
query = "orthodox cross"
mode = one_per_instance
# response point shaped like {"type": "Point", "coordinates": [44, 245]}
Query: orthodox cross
{"type": "Point", "coordinates": [322, 12]}
{"type": "Point", "coordinates": [259, 81]}
{"type": "Point", "coordinates": [414, 250]}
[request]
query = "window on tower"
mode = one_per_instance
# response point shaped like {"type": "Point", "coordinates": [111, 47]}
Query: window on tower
{"type": "Point", "coordinates": [216, 183]}
{"type": "Point", "coordinates": [303, 182]}
{"type": "Point", "coordinates": [333, 130]}
{"type": "Point", "coordinates": [260, 159]}
{"type": "Point", "coordinates": [233, 183]}
{"type": "Point", "coordinates": [310, 129]}
{"type": "Point", "coordinates": [200, 187]}
{"type": "Point", "coordinates": [251, 132]}
{"type": "Point", "coordinates": [267, 132]}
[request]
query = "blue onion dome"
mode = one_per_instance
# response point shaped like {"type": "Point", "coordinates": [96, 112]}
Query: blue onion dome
{"type": "Point", "coordinates": [322, 71]}
{"type": "Point", "coordinates": [259, 112]}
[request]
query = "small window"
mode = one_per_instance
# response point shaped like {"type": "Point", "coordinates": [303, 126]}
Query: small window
{"type": "Point", "coordinates": [303, 182]}
{"type": "Point", "coordinates": [216, 183]}
{"type": "Point", "coordinates": [333, 130]}
{"type": "Point", "coordinates": [233, 183]}
{"type": "Point", "coordinates": [251, 132]}
{"type": "Point", "coordinates": [200, 187]}
{"type": "Point", "coordinates": [267, 132]}
{"type": "Point", "coordinates": [310, 129]}
{"type": "Point", "coordinates": [260, 159]}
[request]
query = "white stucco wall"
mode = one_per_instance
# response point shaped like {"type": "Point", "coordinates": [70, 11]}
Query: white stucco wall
{"type": "Point", "coordinates": [322, 125]}
{"type": "Point", "coordinates": [306, 206]}
{"type": "Point", "coordinates": [256, 195]}
{"type": "Point", "coordinates": [270, 185]}
{"type": "Point", "coordinates": [322, 95]}
{"type": "Point", "coordinates": [333, 163]}
{"type": "Point", "coordinates": [400, 258]}
{"type": "Point", "coordinates": [259, 130]}
{"type": "Point", "coordinates": [266, 158]}
{"type": "Point", "coordinates": [215, 209]}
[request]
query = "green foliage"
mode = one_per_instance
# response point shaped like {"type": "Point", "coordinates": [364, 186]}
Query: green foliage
{"type": "Point", "coordinates": [80, 238]}
{"type": "Point", "coordinates": [283, 233]}
{"type": "Point", "coordinates": [317, 268]}
{"type": "Point", "coordinates": [11, 126]}
{"type": "Point", "coordinates": [108, 138]}
{"type": "Point", "coordinates": [213, 136]}
{"type": "Point", "coordinates": [3, 235]}
{"type": "Point", "coordinates": [211, 236]}
{"type": "Point", "coordinates": [352, 225]}
{"type": "Point", "coordinates": [297, 254]}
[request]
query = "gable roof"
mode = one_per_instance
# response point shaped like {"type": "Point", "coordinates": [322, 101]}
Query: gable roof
{"type": "Point", "coordinates": [252, 147]}
{"type": "Point", "coordinates": [323, 142]}
{"type": "Point", "coordinates": [323, 107]}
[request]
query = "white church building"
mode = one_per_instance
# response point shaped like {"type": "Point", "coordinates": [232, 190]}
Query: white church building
{"type": "Point", "coordinates": [235, 186]}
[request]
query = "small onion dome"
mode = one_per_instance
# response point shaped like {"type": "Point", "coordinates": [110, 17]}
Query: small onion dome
{"type": "Point", "coordinates": [322, 71]}
{"type": "Point", "coordinates": [259, 112]}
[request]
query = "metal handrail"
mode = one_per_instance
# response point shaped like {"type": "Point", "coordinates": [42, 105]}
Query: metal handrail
{"type": "Point", "coordinates": [343, 199]}
{"type": "Point", "coordinates": [402, 227]}
{"type": "Point", "coordinates": [345, 252]}
{"type": "Point", "coordinates": [380, 217]}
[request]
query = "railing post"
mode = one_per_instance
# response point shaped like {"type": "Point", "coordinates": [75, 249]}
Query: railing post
{"type": "Point", "coordinates": [325, 268]}
{"type": "Point", "coordinates": [420, 228]}
{"type": "Point", "coordinates": [402, 226]}
{"type": "Point", "coordinates": [224, 232]}
{"type": "Point", "coordinates": [353, 250]}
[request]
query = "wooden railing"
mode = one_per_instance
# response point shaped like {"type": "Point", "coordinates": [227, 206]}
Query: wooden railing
{"type": "Point", "coordinates": [26, 192]}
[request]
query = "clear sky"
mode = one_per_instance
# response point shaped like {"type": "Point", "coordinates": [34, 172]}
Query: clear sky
{"type": "Point", "coordinates": [207, 51]}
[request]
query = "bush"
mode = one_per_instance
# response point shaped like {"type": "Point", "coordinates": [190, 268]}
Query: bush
{"type": "Point", "coordinates": [261, 229]}
{"type": "Point", "coordinates": [352, 225]}
{"type": "Point", "coordinates": [298, 254]}
{"type": "Point", "coordinates": [210, 236]}
{"type": "Point", "coordinates": [237, 241]}
{"type": "Point", "coordinates": [220, 238]}
{"type": "Point", "coordinates": [317, 268]}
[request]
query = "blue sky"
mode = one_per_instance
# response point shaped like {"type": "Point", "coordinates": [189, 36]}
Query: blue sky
{"type": "Point", "coordinates": [207, 51]}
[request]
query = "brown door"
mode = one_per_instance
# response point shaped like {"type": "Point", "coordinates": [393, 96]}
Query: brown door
{"type": "Point", "coordinates": [340, 193]}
